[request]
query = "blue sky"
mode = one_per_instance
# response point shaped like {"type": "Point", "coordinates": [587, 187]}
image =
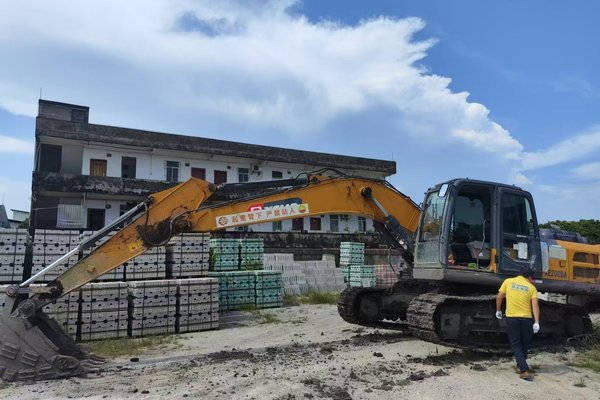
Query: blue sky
{"type": "Point", "coordinates": [505, 91]}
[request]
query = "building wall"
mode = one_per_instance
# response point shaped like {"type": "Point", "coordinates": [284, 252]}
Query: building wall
{"type": "Point", "coordinates": [152, 165]}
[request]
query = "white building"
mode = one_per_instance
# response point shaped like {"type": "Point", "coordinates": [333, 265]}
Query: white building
{"type": "Point", "coordinates": [86, 175]}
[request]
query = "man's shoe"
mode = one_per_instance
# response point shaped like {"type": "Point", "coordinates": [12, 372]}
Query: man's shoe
{"type": "Point", "coordinates": [526, 376]}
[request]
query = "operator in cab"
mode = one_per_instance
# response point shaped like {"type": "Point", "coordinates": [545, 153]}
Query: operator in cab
{"type": "Point", "coordinates": [521, 302]}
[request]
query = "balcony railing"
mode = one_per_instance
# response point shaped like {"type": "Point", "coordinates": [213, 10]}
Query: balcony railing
{"type": "Point", "coordinates": [50, 182]}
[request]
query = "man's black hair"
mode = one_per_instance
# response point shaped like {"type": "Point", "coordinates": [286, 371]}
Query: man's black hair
{"type": "Point", "coordinates": [526, 271]}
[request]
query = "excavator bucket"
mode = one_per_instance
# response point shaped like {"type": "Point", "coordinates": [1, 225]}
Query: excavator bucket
{"type": "Point", "coordinates": [36, 348]}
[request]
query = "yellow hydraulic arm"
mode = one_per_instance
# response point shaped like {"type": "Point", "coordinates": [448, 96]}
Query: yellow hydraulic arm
{"type": "Point", "coordinates": [179, 210]}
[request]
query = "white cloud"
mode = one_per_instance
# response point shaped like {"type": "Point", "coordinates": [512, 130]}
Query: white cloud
{"type": "Point", "coordinates": [250, 65]}
{"type": "Point", "coordinates": [568, 150]}
{"type": "Point", "coordinates": [255, 71]}
{"type": "Point", "coordinates": [587, 171]}
{"type": "Point", "coordinates": [11, 145]}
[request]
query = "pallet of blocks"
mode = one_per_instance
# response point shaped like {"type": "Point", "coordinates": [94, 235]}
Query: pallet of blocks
{"type": "Point", "coordinates": [13, 246]}
{"type": "Point", "coordinates": [268, 289]}
{"type": "Point", "coordinates": [236, 289]}
{"type": "Point", "coordinates": [294, 280]}
{"type": "Point", "coordinates": [352, 253]}
{"type": "Point", "coordinates": [188, 255]}
{"type": "Point", "coordinates": [198, 304]}
{"type": "Point", "coordinates": [117, 274]}
{"type": "Point", "coordinates": [152, 264]}
{"type": "Point", "coordinates": [251, 254]}
{"type": "Point", "coordinates": [104, 311]}
{"type": "Point", "coordinates": [361, 276]}
{"type": "Point", "coordinates": [224, 254]}
{"type": "Point", "coordinates": [152, 307]}
{"type": "Point", "coordinates": [48, 246]}
{"type": "Point", "coordinates": [322, 276]}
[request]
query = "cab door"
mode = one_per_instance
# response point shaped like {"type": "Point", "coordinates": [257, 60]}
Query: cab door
{"type": "Point", "coordinates": [519, 242]}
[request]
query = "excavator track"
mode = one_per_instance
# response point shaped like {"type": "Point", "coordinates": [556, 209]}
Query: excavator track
{"type": "Point", "coordinates": [460, 321]}
{"type": "Point", "coordinates": [468, 322]}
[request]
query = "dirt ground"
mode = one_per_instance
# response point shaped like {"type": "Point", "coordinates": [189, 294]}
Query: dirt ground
{"type": "Point", "coordinates": [309, 352]}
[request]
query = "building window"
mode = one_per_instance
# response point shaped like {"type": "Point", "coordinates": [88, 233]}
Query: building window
{"type": "Point", "coordinates": [220, 177]}
{"type": "Point", "coordinates": [298, 224]}
{"type": "Point", "coordinates": [362, 224]}
{"type": "Point", "coordinates": [243, 174]}
{"type": "Point", "coordinates": [277, 226]}
{"type": "Point", "coordinates": [128, 167]}
{"type": "Point", "coordinates": [315, 224]}
{"type": "Point", "coordinates": [172, 171]}
{"type": "Point", "coordinates": [334, 223]}
{"type": "Point", "coordinates": [97, 167]}
{"type": "Point", "coordinates": [95, 219]}
{"type": "Point", "coordinates": [276, 175]}
{"type": "Point", "coordinates": [199, 173]}
{"type": "Point", "coordinates": [50, 158]}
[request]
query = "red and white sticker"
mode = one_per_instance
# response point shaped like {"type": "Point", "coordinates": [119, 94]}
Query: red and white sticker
{"type": "Point", "coordinates": [256, 216]}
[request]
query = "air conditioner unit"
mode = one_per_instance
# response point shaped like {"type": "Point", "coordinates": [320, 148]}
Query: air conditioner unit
{"type": "Point", "coordinates": [255, 167]}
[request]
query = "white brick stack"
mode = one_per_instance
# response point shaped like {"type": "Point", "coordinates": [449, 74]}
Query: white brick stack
{"type": "Point", "coordinates": [188, 255]}
{"type": "Point", "coordinates": [13, 244]}
{"type": "Point", "coordinates": [104, 310]}
{"type": "Point", "coordinates": [198, 304]}
{"type": "Point", "coordinates": [294, 281]}
{"type": "Point", "coordinates": [153, 307]}
{"type": "Point", "coordinates": [152, 264]}
{"type": "Point", "coordinates": [323, 276]}
{"type": "Point", "coordinates": [48, 246]}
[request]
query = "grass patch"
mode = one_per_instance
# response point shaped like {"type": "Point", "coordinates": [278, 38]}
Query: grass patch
{"type": "Point", "coordinates": [247, 308]}
{"type": "Point", "coordinates": [269, 318]}
{"type": "Point", "coordinates": [113, 348]}
{"type": "Point", "coordinates": [590, 359]}
{"type": "Point", "coordinates": [4, 385]}
{"type": "Point", "coordinates": [312, 298]}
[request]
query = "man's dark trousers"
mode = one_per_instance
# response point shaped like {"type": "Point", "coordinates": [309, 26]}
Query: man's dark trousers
{"type": "Point", "coordinates": [519, 332]}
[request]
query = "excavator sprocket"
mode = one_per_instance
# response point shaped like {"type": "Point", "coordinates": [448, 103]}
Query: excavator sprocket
{"type": "Point", "coordinates": [36, 348]}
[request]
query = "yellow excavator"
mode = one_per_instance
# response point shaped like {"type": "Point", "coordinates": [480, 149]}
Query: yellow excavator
{"type": "Point", "coordinates": [467, 237]}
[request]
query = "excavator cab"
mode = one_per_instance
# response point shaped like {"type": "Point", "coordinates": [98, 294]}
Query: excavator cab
{"type": "Point", "coordinates": [476, 232]}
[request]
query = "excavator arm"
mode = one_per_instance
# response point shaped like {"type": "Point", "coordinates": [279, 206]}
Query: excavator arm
{"type": "Point", "coordinates": [42, 351]}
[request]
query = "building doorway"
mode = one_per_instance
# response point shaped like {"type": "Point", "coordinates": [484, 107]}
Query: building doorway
{"type": "Point", "coordinates": [95, 218]}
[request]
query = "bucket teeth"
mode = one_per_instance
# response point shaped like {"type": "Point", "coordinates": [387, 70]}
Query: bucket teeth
{"type": "Point", "coordinates": [37, 349]}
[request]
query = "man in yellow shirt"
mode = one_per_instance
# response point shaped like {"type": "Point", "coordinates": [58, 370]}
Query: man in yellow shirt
{"type": "Point", "coordinates": [521, 301]}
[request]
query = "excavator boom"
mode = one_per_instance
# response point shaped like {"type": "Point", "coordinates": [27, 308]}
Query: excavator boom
{"type": "Point", "coordinates": [34, 347]}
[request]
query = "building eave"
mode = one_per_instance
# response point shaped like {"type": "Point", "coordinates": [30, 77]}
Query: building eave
{"type": "Point", "coordinates": [93, 133]}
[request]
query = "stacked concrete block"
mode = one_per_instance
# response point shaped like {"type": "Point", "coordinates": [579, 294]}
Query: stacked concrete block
{"type": "Point", "coordinates": [117, 274]}
{"type": "Point", "coordinates": [104, 311]}
{"type": "Point", "coordinates": [224, 254]}
{"type": "Point", "coordinates": [236, 289]}
{"type": "Point", "coordinates": [65, 311]}
{"type": "Point", "coordinates": [251, 254]}
{"type": "Point", "coordinates": [198, 304]}
{"type": "Point", "coordinates": [268, 289]}
{"type": "Point", "coordinates": [13, 246]}
{"type": "Point", "coordinates": [385, 275]}
{"type": "Point", "coordinates": [323, 276]}
{"type": "Point", "coordinates": [294, 280]}
{"type": "Point", "coordinates": [361, 276]}
{"type": "Point", "coordinates": [50, 245]}
{"type": "Point", "coordinates": [188, 255]}
{"type": "Point", "coordinates": [352, 253]}
{"type": "Point", "coordinates": [152, 307]}
{"type": "Point", "coordinates": [152, 264]}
